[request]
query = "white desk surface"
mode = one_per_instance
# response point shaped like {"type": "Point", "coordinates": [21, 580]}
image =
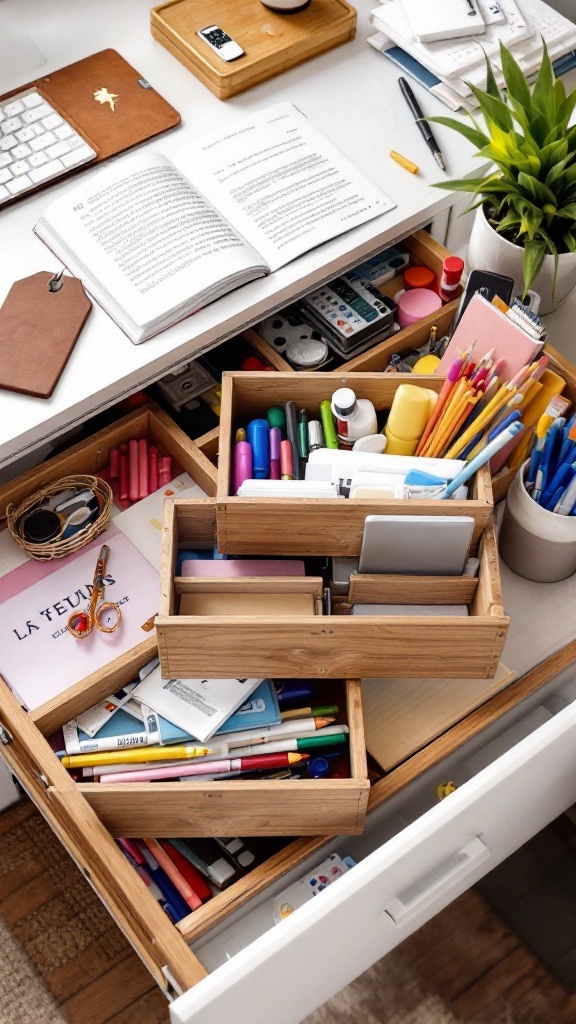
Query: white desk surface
{"type": "Point", "coordinates": [350, 94]}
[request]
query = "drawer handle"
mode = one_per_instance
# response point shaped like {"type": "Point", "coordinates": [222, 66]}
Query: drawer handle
{"type": "Point", "coordinates": [422, 893]}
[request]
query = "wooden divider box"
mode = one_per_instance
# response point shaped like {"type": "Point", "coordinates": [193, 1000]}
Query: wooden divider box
{"type": "Point", "coordinates": [329, 526]}
{"type": "Point", "coordinates": [90, 456]}
{"type": "Point", "coordinates": [326, 646]}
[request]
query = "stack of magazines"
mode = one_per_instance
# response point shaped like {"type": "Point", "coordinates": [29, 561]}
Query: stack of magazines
{"type": "Point", "coordinates": [446, 67]}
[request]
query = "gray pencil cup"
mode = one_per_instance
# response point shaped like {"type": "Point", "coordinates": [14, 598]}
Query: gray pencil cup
{"type": "Point", "coordinates": [535, 543]}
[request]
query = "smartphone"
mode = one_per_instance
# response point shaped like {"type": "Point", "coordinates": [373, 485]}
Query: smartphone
{"type": "Point", "coordinates": [489, 285]}
{"type": "Point", "coordinates": [221, 43]}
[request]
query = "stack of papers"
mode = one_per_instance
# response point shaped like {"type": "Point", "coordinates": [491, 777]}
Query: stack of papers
{"type": "Point", "coordinates": [446, 67]}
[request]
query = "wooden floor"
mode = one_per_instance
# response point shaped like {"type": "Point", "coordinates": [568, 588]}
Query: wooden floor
{"type": "Point", "coordinates": [463, 967]}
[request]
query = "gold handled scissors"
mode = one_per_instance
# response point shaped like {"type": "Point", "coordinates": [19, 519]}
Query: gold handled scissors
{"type": "Point", "coordinates": [105, 615]}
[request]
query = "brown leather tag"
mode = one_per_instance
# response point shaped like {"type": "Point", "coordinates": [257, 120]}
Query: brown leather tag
{"type": "Point", "coordinates": [38, 330]}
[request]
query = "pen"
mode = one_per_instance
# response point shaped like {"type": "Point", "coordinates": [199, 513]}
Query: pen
{"type": "Point", "coordinates": [292, 434]}
{"type": "Point", "coordinates": [404, 162]}
{"type": "Point", "coordinates": [286, 467]}
{"type": "Point", "coordinates": [422, 122]}
{"type": "Point", "coordinates": [484, 456]}
{"type": "Point", "coordinates": [275, 442]}
{"type": "Point", "coordinates": [135, 755]}
{"type": "Point", "coordinates": [322, 739]}
{"type": "Point", "coordinates": [225, 765]}
{"type": "Point", "coordinates": [303, 443]}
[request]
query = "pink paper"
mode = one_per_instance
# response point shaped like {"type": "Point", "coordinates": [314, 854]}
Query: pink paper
{"type": "Point", "coordinates": [39, 658]}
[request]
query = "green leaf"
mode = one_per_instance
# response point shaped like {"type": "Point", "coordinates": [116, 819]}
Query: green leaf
{"type": "Point", "coordinates": [568, 212]}
{"type": "Point", "coordinates": [534, 253]}
{"type": "Point", "coordinates": [474, 135]}
{"type": "Point", "coordinates": [543, 97]}
{"type": "Point", "coordinates": [491, 83]}
{"type": "Point", "coordinates": [495, 110]}
{"type": "Point", "coordinates": [569, 240]}
{"type": "Point", "coordinates": [516, 84]}
{"type": "Point", "coordinates": [536, 190]}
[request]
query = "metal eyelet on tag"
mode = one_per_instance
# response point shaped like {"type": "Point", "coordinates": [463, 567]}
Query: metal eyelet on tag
{"type": "Point", "coordinates": [55, 283]}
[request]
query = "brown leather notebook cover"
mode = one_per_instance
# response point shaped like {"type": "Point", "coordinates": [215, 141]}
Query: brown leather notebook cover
{"type": "Point", "coordinates": [38, 330]}
{"type": "Point", "coordinates": [107, 101]}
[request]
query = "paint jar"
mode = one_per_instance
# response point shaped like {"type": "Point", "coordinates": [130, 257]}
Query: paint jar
{"type": "Point", "coordinates": [535, 543]}
{"type": "Point", "coordinates": [355, 417]}
{"type": "Point", "coordinates": [415, 304]}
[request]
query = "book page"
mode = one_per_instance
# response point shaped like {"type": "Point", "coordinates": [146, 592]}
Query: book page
{"type": "Point", "coordinates": [147, 237]}
{"type": "Point", "coordinates": [280, 183]}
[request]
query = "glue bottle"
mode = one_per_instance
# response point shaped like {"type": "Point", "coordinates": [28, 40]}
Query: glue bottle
{"type": "Point", "coordinates": [355, 417]}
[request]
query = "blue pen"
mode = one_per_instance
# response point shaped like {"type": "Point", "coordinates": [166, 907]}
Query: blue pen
{"type": "Point", "coordinates": [567, 443]}
{"type": "Point", "coordinates": [258, 437]}
{"type": "Point", "coordinates": [418, 477]}
{"type": "Point", "coordinates": [559, 480]}
{"type": "Point", "coordinates": [512, 417]}
{"type": "Point", "coordinates": [484, 456]}
{"type": "Point", "coordinates": [553, 500]}
{"type": "Point", "coordinates": [166, 886]}
{"type": "Point", "coordinates": [546, 464]}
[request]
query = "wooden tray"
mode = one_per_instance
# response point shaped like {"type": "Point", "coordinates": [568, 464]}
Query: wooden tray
{"type": "Point", "coordinates": [272, 42]}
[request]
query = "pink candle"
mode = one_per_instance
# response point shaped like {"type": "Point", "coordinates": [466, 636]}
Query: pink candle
{"type": "Point", "coordinates": [152, 469]}
{"type": "Point", "coordinates": [143, 468]}
{"type": "Point", "coordinates": [124, 476]}
{"type": "Point", "coordinates": [114, 464]}
{"type": "Point", "coordinates": [165, 475]}
{"type": "Point", "coordinates": [134, 492]}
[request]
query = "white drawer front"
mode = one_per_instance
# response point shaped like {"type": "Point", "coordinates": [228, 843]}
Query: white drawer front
{"type": "Point", "coordinates": [299, 964]}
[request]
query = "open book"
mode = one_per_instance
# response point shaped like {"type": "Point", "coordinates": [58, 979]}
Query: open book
{"type": "Point", "coordinates": [155, 239]}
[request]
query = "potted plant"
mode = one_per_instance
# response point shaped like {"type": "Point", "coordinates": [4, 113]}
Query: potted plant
{"type": "Point", "coordinates": [525, 223]}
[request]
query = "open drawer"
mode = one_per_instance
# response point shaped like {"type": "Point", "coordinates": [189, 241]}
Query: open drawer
{"type": "Point", "coordinates": [402, 881]}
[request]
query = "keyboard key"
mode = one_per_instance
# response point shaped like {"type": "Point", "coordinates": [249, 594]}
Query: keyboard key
{"type": "Point", "coordinates": [75, 142]}
{"type": "Point", "coordinates": [11, 109]}
{"type": "Point", "coordinates": [5, 175]}
{"type": "Point", "coordinates": [64, 131]}
{"type": "Point", "coordinates": [42, 141]}
{"type": "Point", "coordinates": [58, 150]}
{"type": "Point", "coordinates": [8, 142]}
{"type": "Point", "coordinates": [30, 116]}
{"type": "Point", "coordinates": [4, 193]}
{"type": "Point", "coordinates": [19, 167]}
{"type": "Point", "coordinates": [47, 171]}
{"type": "Point", "coordinates": [77, 156]}
{"type": "Point", "coordinates": [33, 99]}
{"type": "Point", "coordinates": [5, 158]}
{"type": "Point", "coordinates": [21, 151]}
{"type": "Point", "coordinates": [25, 134]}
{"type": "Point", "coordinates": [11, 125]}
{"type": "Point", "coordinates": [52, 121]}
{"type": "Point", "coordinates": [37, 159]}
{"type": "Point", "coordinates": [18, 184]}
{"type": "Point", "coordinates": [38, 129]}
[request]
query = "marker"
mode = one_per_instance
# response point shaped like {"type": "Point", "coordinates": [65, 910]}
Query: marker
{"type": "Point", "coordinates": [292, 433]}
{"type": "Point", "coordinates": [275, 442]}
{"type": "Point", "coordinates": [133, 756]}
{"type": "Point", "coordinates": [258, 436]}
{"type": "Point", "coordinates": [315, 436]}
{"type": "Point", "coordinates": [303, 441]}
{"type": "Point", "coordinates": [323, 739]}
{"type": "Point", "coordinates": [242, 464]}
{"type": "Point", "coordinates": [286, 464]}
{"type": "Point", "coordinates": [404, 162]}
{"type": "Point", "coordinates": [185, 890]}
{"type": "Point", "coordinates": [293, 689]}
{"type": "Point", "coordinates": [327, 709]}
{"type": "Point", "coordinates": [277, 418]}
{"type": "Point", "coordinates": [234, 764]}
{"type": "Point", "coordinates": [330, 436]}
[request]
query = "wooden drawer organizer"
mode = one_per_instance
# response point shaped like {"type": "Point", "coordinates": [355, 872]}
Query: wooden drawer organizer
{"type": "Point", "coordinates": [161, 945]}
{"type": "Point", "coordinates": [311, 526]}
{"type": "Point", "coordinates": [329, 646]}
{"type": "Point", "coordinates": [90, 456]}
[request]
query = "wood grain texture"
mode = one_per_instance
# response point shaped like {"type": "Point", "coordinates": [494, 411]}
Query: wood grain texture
{"type": "Point", "coordinates": [69, 815]}
{"type": "Point", "coordinates": [382, 589]}
{"type": "Point", "coordinates": [166, 603]}
{"type": "Point", "coordinates": [208, 444]}
{"type": "Point", "coordinates": [272, 43]}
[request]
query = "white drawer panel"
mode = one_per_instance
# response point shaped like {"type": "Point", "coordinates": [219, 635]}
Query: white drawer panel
{"type": "Point", "coordinates": [296, 966]}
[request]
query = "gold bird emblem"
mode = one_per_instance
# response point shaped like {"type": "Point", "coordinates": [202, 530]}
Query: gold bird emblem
{"type": "Point", "coordinates": [103, 96]}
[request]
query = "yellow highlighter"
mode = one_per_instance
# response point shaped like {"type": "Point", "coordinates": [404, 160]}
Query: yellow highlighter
{"type": "Point", "coordinates": [137, 755]}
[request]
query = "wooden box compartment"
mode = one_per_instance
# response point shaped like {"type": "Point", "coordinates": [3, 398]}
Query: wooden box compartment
{"type": "Point", "coordinates": [163, 946]}
{"type": "Point", "coordinates": [327, 526]}
{"type": "Point", "coordinates": [272, 42]}
{"type": "Point", "coordinates": [326, 646]}
{"type": "Point", "coordinates": [90, 456]}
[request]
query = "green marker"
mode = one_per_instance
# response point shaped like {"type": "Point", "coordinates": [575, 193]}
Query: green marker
{"type": "Point", "coordinates": [319, 712]}
{"type": "Point", "coordinates": [330, 438]}
{"type": "Point", "coordinates": [303, 446]}
{"type": "Point", "coordinates": [311, 742]}
{"type": "Point", "coordinates": [277, 418]}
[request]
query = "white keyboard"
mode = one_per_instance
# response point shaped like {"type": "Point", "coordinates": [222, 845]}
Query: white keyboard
{"type": "Point", "coordinates": [36, 144]}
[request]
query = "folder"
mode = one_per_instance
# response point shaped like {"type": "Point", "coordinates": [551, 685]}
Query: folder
{"type": "Point", "coordinates": [490, 329]}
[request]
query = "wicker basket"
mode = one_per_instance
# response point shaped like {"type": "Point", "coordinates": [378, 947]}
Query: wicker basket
{"type": "Point", "coordinates": [61, 548]}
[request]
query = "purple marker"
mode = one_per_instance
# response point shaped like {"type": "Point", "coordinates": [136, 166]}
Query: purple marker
{"type": "Point", "coordinates": [275, 439]}
{"type": "Point", "coordinates": [242, 464]}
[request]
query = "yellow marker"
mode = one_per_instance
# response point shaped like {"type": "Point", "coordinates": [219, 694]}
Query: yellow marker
{"type": "Point", "coordinates": [404, 162]}
{"type": "Point", "coordinates": [136, 755]}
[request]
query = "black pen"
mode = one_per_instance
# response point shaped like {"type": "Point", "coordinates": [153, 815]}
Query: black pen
{"type": "Point", "coordinates": [422, 122]}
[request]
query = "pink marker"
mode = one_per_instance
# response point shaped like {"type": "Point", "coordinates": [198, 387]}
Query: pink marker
{"type": "Point", "coordinates": [152, 469]}
{"type": "Point", "coordinates": [165, 474]}
{"type": "Point", "coordinates": [242, 464]}
{"type": "Point", "coordinates": [114, 464]}
{"type": "Point", "coordinates": [275, 439]}
{"type": "Point", "coordinates": [170, 772]}
{"type": "Point", "coordinates": [143, 468]}
{"type": "Point", "coordinates": [123, 476]}
{"type": "Point", "coordinates": [134, 492]}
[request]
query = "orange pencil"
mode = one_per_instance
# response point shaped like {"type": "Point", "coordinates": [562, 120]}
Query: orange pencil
{"type": "Point", "coordinates": [447, 427]}
{"type": "Point", "coordinates": [447, 387]}
{"type": "Point", "coordinates": [185, 890]}
{"type": "Point", "coordinates": [453, 401]}
{"type": "Point", "coordinates": [470, 402]}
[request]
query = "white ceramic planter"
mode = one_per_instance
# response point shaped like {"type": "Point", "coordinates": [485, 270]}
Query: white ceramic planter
{"type": "Point", "coordinates": [487, 250]}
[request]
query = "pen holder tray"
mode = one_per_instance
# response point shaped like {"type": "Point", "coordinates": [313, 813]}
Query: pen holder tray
{"type": "Point", "coordinates": [330, 526]}
{"type": "Point", "coordinates": [58, 548]}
